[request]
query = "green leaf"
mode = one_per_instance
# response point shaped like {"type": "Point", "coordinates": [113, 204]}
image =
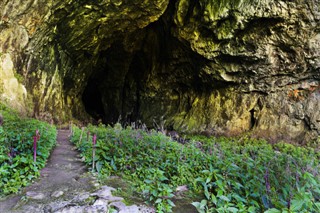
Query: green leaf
{"type": "Point", "coordinates": [154, 193]}
{"type": "Point", "coordinates": [24, 160]}
{"type": "Point", "coordinates": [208, 179]}
{"type": "Point", "coordinates": [252, 209]}
{"type": "Point", "coordinates": [273, 210]}
{"type": "Point", "coordinates": [296, 205]}
{"type": "Point", "coordinates": [317, 204]}
{"type": "Point", "coordinates": [113, 165]}
{"type": "Point", "coordinates": [171, 203]}
{"type": "Point", "coordinates": [214, 199]}
{"type": "Point", "coordinates": [196, 204]}
{"type": "Point", "coordinates": [159, 200]}
{"type": "Point", "coordinates": [148, 181]}
{"type": "Point", "coordinates": [222, 197]}
{"type": "Point", "coordinates": [99, 166]}
{"type": "Point", "coordinates": [206, 193]}
{"type": "Point", "coordinates": [238, 198]}
{"type": "Point", "coordinates": [266, 201]}
{"type": "Point", "coordinates": [203, 204]}
{"type": "Point", "coordinates": [198, 207]}
{"type": "Point", "coordinates": [232, 209]}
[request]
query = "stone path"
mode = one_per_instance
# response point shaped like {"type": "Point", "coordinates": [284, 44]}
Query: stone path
{"type": "Point", "coordinates": [66, 186]}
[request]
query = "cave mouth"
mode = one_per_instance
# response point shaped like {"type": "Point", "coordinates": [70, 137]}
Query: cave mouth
{"type": "Point", "coordinates": [158, 79]}
{"type": "Point", "coordinates": [124, 76]}
{"type": "Point", "coordinates": [92, 100]}
{"type": "Point", "coordinates": [253, 119]}
{"type": "Point", "coordinates": [112, 91]}
{"type": "Point", "coordinates": [153, 76]}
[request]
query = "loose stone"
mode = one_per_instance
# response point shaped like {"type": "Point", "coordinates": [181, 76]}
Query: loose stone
{"type": "Point", "coordinates": [35, 195]}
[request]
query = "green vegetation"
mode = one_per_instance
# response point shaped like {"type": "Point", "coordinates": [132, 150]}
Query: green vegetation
{"type": "Point", "coordinates": [17, 167]}
{"type": "Point", "coordinates": [233, 175]}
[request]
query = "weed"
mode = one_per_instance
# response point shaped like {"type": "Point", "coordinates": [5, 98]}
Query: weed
{"type": "Point", "coordinates": [17, 166]}
{"type": "Point", "coordinates": [233, 174]}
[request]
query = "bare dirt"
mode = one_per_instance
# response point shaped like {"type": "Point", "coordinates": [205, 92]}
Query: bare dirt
{"type": "Point", "coordinates": [64, 174]}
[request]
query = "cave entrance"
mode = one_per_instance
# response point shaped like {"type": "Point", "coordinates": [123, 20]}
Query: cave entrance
{"type": "Point", "coordinates": [141, 79]}
{"type": "Point", "coordinates": [112, 93]}
{"type": "Point", "coordinates": [252, 118]}
{"type": "Point", "coordinates": [92, 100]}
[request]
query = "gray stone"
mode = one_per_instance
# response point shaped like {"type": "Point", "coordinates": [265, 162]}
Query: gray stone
{"type": "Point", "coordinates": [113, 198]}
{"type": "Point", "coordinates": [35, 195]}
{"type": "Point", "coordinates": [100, 202]}
{"type": "Point", "coordinates": [81, 197]}
{"type": "Point", "coordinates": [72, 209]}
{"type": "Point", "coordinates": [130, 209]}
{"type": "Point", "coordinates": [118, 205]}
{"type": "Point", "coordinates": [32, 209]}
{"type": "Point", "coordinates": [57, 194]}
{"type": "Point", "coordinates": [182, 188]}
{"type": "Point", "coordinates": [104, 192]}
{"type": "Point", "coordinates": [96, 209]}
{"type": "Point", "coordinates": [55, 206]}
{"type": "Point", "coordinates": [146, 209]}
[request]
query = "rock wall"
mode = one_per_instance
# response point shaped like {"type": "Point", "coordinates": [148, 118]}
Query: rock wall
{"type": "Point", "coordinates": [31, 81]}
{"type": "Point", "coordinates": [266, 48]}
{"type": "Point", "coordinates": [220, 66]}
{"type": "Point", "coordinates": [50, 47]}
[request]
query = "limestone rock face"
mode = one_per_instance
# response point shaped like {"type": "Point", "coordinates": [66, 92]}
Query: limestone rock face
{"type": "Point", "coordinates": [219, 66]}
{"type": "Point", "coordinates": [51, 47]}
{"type": "Point", "coordinates": [266, 48]}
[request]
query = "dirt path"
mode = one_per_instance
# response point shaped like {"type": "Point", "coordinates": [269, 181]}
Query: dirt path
{"type": "Point", "coordinates": [66, 186]}
{"type": "Point", "coordinates": [63, 178]}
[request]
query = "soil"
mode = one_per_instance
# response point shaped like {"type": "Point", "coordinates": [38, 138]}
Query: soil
{"type": "Point", "coordinates": [64, 172]}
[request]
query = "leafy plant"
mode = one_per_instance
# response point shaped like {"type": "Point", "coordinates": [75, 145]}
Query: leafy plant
{"type": "Point", "coordinates": [233, 174]}
{"type": "Point", "coordinates": [17, 167]}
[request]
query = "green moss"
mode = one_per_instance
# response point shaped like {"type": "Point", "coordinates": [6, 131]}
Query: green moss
{"type": "Point", "coordinates": [1, 88]}
{"type": "Point", "coordinates": [19, 77]}
{"type": "Point", "coordinates": [183, 7]}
